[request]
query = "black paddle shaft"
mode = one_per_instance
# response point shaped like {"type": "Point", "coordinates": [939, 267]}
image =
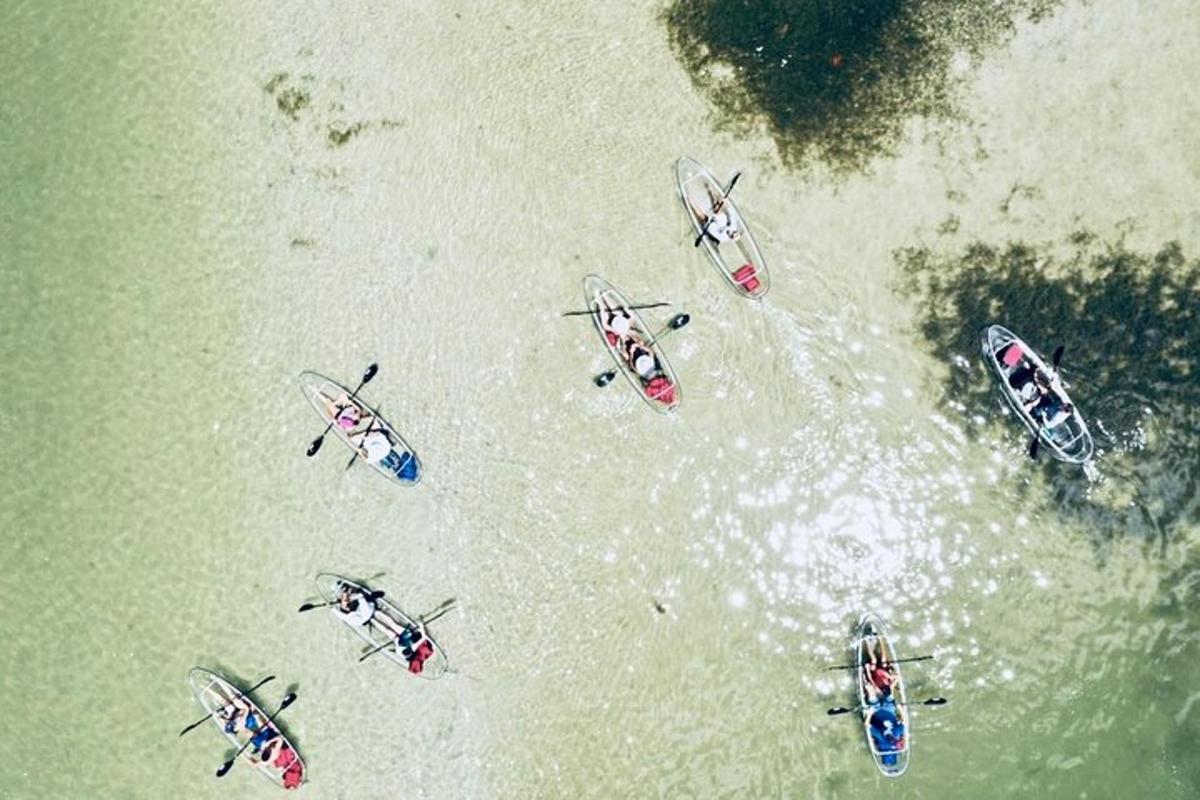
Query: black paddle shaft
{"type": "Point", "coordinates": [200, 721]}
{"type": "Point", "coordinates": [716, 210]}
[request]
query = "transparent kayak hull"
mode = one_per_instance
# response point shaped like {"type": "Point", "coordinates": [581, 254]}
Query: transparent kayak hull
{"type": "Point", "coordinates": [213, 693]}
{"type": "Point", "coordinates": [602, 297]}
{"type": "Point", "coordinates": [872, 633]}
{"type": "Point", "coordinates": [374, 635]}
{"type": "Point", "coordinates": [740, 262]}
{"type": "Point", "coordinates": [1069, 441]}
{"type": "Point", "coordinates": [318, 388]}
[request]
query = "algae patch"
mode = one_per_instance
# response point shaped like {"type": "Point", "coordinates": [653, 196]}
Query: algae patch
{"type": "Point", "coordinates": [837, 82]}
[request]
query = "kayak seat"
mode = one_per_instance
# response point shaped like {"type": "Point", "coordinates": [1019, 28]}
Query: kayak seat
{"type": "Point", "coordinates": [661, 389]}
{"type": "Point", "coordinates": [745, 277]}
{"type": "Point", "coordinates": [1011, 355]}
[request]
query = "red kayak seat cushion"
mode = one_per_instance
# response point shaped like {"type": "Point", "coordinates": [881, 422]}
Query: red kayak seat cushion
{"type": "Point", "coordinates": [285, 758]}
{"type": "Point", "coordinates": [661, 389]}
{"type": "Point", "coordinates": [1011, 355]}
{"type": "Point", "coordinates": [294, 776]}
{"type": "Point", "coordinates": [745, 277]}
{"type": "Point", "coordinates": [612, 338]}
{"type": "Point", "coordinates": [420, 656]}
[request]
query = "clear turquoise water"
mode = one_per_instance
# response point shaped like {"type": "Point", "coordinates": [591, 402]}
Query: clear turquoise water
{"type": "Point", "coordinates": [177, 248]}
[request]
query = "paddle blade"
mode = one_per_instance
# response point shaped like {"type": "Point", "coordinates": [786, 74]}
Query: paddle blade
{"type": "Point", "coordinates": [224, 768]}
{"type": "Point", "coordinates": [935, 701]}
{"type": "Point", "coordinates": [315, 446]}
{"type": "Point", "coordinates": [1058, 353]}
{"type": "Point", "coordinates": [309, 607]}
{"type": "Point", "coordinates": [287, 701]}
{"type": "Point", "coordinates": [833, 712]}
{"type": "Point", "coordinates": [679, 321]}
{"type": "Point", "coordinates": [377, 594]}
{"type": "Point", "coordinates": [1034, 445]}
{"type": "Point", "coordinates": [605, 378]}
{"type": "Point", "coordinates": [732, 183]}
{"type": "Point", "coordinates": [370, 373]}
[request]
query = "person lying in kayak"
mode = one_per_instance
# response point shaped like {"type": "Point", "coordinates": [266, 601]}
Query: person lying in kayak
{"type": "Point", "coordinates": [723, 226]}
{"type": "Point", "coordinates": [1041, 401]}
{"type": "Point", "coordinates": [239, 713]}
{"type": "Point", "coordinates": [355, 607]}
{"type": "Point", "coordinates": [344, 412]}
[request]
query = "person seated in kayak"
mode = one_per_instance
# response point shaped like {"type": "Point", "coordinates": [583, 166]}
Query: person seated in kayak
{"type": "Point", "coordinates": [344, 412]}
{"type": "Point", "coordinates": [722, 223]}
{"type": "Point", "coordinates": [640, 358]}
{"type": "Point", "coordinates": [266, 744]}
{"type": "Point", "coordinates": [1037, 392]}
{"type": "Point", "coordinates": [407, 636]}
{"type": "Point", "coordinates": [617, 324]}
{"type": "Point", "coordinates": [239, 713]}
{"type": "Point", "coordinates": [887, 729]}
{"type": "Point", "coordinates": [375, 446]}
{"type": "Point", "coordinates": [355, 607]}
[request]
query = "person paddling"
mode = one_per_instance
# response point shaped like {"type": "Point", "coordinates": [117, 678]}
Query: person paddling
{"type": "Point", "coordinates": [722, 224]}
{"type": "Point", "coordinates": [354, 606]}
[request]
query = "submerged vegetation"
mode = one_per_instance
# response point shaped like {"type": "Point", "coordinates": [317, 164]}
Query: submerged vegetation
{"type": "Point", "coordinates": [1129, 323]}
{"type": "Point", "coordinates": [839, 80]}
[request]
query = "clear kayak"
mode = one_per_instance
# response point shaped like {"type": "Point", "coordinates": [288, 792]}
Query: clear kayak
{"type": "Point", "coordinates": [327, 396]}
{"type": "Point", "coordinates": [1015, 363]}
{"type": "Point", "coordinates": [738, 260]}
{"type": "Point", "coordinates": [277, 759]}
{"type": "Point", "coordinates": [656, 384]}
{"type": "Point", "coordinates": [430, 663]}
{"type": "Point", "coordinates": [885, 724]}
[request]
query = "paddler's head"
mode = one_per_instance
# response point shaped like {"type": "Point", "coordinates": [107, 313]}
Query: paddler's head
{"type": "Point", "coordinates": [348, 417]}
{"type": "Point", "coordinates": [620, 324]}
{"type": "Point", "coordinates": [377, 447]}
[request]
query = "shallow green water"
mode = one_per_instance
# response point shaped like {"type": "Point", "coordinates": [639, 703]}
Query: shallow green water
{"type": "Point", "coordinates": [201, 203]}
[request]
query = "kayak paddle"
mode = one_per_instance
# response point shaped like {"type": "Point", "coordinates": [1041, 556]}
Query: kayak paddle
{"type": "Point", "coordinates": [366, 378]}
{"type": "Point", "coordinates": [200, 721]}
{"type": "Point", "coordinates": [373, 596]}
{"type": "Point", "coordinates": [886, 663]}
{"type": "Point", "coordinates": [1037, 436]}
{"type": "Point", "coordinates": [677, 322]}
{"type": "Point", "coordinates": [716, 209]}
{"type": "Point", "coordinates": [581, 313]}
{"type": "Point", "coordinates": [933, 701]}
{"type": "Point", "coordinates": [287, 701]}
